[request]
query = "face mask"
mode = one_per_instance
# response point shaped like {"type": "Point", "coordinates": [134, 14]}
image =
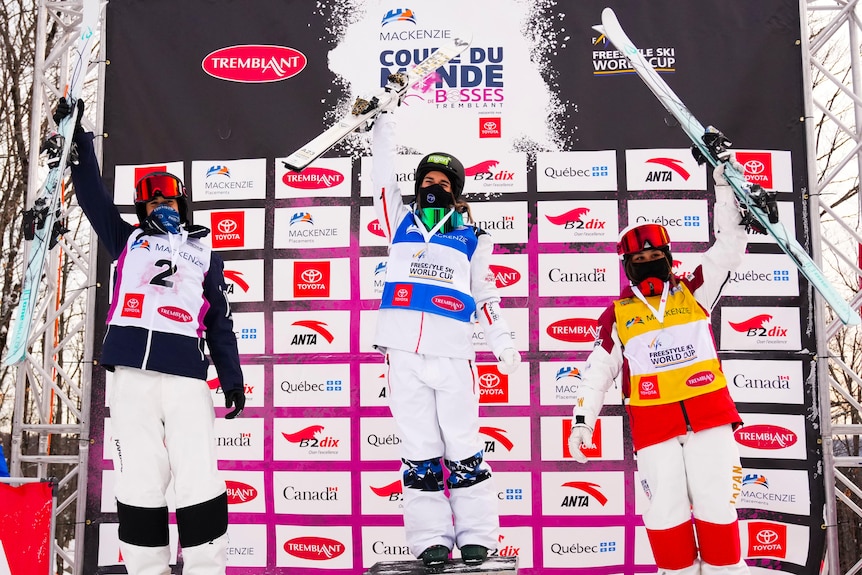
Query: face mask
{"type": "Point", "coordinates": [434, 196]}
{"type": "Point", "coordinates": [656, 269]}
{"type": "Point", "coordinates": [165, 219]}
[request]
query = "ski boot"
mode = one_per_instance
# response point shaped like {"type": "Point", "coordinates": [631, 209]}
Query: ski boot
{"type": "Point", "coordinates": [474, 554]}
{"type": "Point", "coordinates": [434, 558]}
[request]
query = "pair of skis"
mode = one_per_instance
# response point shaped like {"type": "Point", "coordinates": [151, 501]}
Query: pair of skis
{"type": "Point", "coordinates": [710, 144]}
{"type": "Point", "coordinates": [41, 224]}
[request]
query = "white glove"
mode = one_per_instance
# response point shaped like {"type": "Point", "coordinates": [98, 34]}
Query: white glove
{"type": "Point", "coordinates": [581, 435]}
{"type": "Point", "coordinates": [510, 359]}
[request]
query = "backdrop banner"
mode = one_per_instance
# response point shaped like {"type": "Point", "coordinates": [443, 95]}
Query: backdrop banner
{"type": "Point", "coordinates": [563, 146]}
{"type": "Point", "coordinates": [25, 528]}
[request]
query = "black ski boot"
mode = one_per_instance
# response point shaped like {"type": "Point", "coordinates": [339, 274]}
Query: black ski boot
{"type": "Point", "coordinates": [474, 554]}
{"type": "Point", "coordinates": [435, 556]}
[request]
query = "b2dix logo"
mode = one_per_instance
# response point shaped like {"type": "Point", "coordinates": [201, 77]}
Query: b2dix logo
{"type": "Point", "coordinates": [757, 326]}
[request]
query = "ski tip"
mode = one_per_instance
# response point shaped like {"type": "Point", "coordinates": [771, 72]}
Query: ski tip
{"type": "Point", "coordinates": [599, 28]}
{"type": "Point", "coordinates": [852, 319]}
{"type": "Point", "coordinates": [609, 17]}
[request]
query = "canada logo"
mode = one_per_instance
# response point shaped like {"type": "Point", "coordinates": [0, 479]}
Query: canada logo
{"type": "Point", "coordinates": [254, 63]}
{"type": "Point", "coordinates": [314, 548]}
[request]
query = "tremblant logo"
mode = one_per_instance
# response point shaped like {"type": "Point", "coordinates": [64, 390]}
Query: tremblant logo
{"type": "Point", "coordinates": [591, 489]}
{"type": "Point", "coordinates": [574, 330]}
{"type": "Point", "coordinates": [318, 327]}
{"type": "Point", "coordinates": [574, 220]}
{"type": "Point", "coordinates": [765, 436]}
{"type": "Point", "coordinates": [313, 178]}
{"type": "Point", "coordinates": [398, 15]}
{"type": "Point", "coordinates": [666, 176]}
{"type": "Point", "coordinates": [239, 492]}
{"type": "Point", "coordinates": [497, 435]}
{"type": "Point", "coordinates": [218, 171]}
{"type": "Point", "coordinates": [376, 229]}
{"type": "Point", "coordinates": [314, 548]}
{"type": "Point", "coordinates": [254, 63]}
{"type": "Point", "coordinates": [504, 276]}
{"type": "Point", "coordinates": [175, 314]}
{"type": "Point", "coordinates": [754, 327]}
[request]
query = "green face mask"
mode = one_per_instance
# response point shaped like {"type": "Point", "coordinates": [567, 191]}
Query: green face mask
{"type": "Point", "coordinates": [430, 217]}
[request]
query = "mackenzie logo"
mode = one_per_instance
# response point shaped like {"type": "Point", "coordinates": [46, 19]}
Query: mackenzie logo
{"type": "Point", "coordinates": [175, 314]}
{"type": "Point", "coordinates": [314, 548]}
{"type": "Point", "coordinates": [574, 330]}
{"type": "Point", "coordinates": [254, 63]}
{"type": "Point", "coordinates": [133, 305]}
{"type": "Point", "coordinates": [313, 178]}
{"type": "Point", "coordinates": [448, 303]}
{"type": "Point", "coordinates": [239, 492]}
{"type": "Point", "coordinates": [765, 436]}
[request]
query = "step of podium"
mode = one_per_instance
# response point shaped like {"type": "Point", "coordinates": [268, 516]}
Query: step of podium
{"type": "Point", "coordinates": [492, 566]}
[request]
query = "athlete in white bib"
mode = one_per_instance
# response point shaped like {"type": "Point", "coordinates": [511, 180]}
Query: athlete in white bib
{"type": "Point", "coordinates": [168, 300]}
{"type": "Point", "coordinates": [659, 336]}
{"type": "Point", "coordinates": [437, 284]}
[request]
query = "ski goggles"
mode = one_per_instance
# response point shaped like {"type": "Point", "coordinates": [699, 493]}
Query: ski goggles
{"type": "Point", "coordinates": [642, 237]}
{"type": "Point", "coordinates": [159, 184]}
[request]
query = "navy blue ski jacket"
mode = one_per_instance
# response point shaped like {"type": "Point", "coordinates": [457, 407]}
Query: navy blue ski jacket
{"type": "Point", "coordinates": [128, 345]}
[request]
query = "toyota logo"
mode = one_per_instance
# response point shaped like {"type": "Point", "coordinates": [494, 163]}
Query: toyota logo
{"type": "Point", "coordinates": [489, 380]}
{"type": "Point", "coordinates": [490, 125]}
{"type": "Point", "coordinates": [647, 386]}
{"type": "Point", "coordinates": [133, 302]}
{"type": "Point", "coordinates": [754, 167]}
{"type": "Point", "coordinates": [311, 276]}
{"type": "Point", "coordinates": [767, 537]}
{"type": "Point", "coordinates": [227, 226]}
{"type": "Point", "coordinates": [401, 293]}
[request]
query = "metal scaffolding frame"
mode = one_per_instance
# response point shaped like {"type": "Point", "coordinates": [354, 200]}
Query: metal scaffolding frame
{"type": "Point", "coordinates": [44, 385]}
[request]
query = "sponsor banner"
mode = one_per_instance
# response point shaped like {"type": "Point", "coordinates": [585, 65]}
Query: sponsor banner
{"type": "Point", "coordinates": [109, 545]}
{"type": "Point", "coordinates": [239, 439]}
{"type": "Point", "coordinates": [312, 492]}
{"type": "Point", "coordinates": [663, 169]}
{"type": "Point", "coordinates": [559, 382]}
{"type": "Point", "coordinates": [248, 327]}
{"type": "Point", "coordinates": [593, 171]}
{"type": "Point", "coordinates": [311, 439]}
{"type": "Point", "coordinates": [311, 385]}
{"type": "Point", "coordinates": [253, 378]}
{"type": "Point", "coordinates": [372, 277]}
{"type": "Point", "coordinates": [760, 328]}
{"type": "Point", "coordinates": [244, 280]}
{"type": "Point", "coordinates": [26, 529]}
{"type": "Point", "coordinates": [228, 180]}
{"type": "Point", "coordinates": [774, 540]}
{"type": "Point", "coordinates": [126, 176]}
{"type": "Point", "coordinates": [569, 275]}
{"type": "Point", "coordinates": [583, 546]}
{"type": "Point", "coordinates": [511, 274]}
{"type": "Point", "coordinates": [233, 229]}
{"type": "Point", "coordinates": [384, 544]}
{"type": "Point", "coordinates": [518, 320]}
{"type": "Point", "coordinates": [607, 437]}
{"type": "Point", "coordinates": [764, 275]}
{"type": "Point", "coordinates": [254, 63]}
{"type": "Point", "coordinates": [764, 381]}
{"type": "Point", "coordinates": [506, 438]}
{"type": "Point", "coordinates": [772, 436]}
{"type": "Point", "coordinates": [382, 493]}
{"type": "Point", "coordinates": [505, 222]}
{"type": "Point", "coordinates": [514, 492]}
{"type": "Point", "coordinates": [770, 169]}
{"type": "Point", "coordinates": [324, 331]}
{"type": "Point", "coordinates": [685, 220]}
{"type": "Point", "coordinates": [379, 441]}
{"type": "Point", "coordinates": [587, 221]}
{"type": "Point", "coordinates": [324, 178]}
{"type": "Point", "coordinates": [371, 232]}
{"type": "Point", "coordinates": [313, 547]}
{"type": "Point", "coordinates": [496, 388]}
{"type": "Point", "coordinates": [514, 542]}
{"type": "Point", "coordinates": [777, 490]}
{"type": "Point", "coordinates": [311, 279]}
{"type": "Point", "coordinates": [247, 545]}
{"type": "Point", "coordinates": [373, 384]}
{"type": "Point", "coordinates": [246, 491]}
{"type": "Point", "coordinates": [568, 328]}
{"type": "Point", "coordinates": [583, 493]}
{"type": "Point", "coordinates": [312, 227]}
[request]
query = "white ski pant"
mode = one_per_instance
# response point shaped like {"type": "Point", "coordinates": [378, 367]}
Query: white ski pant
{"type": "Point", "coordinates": [695, 474]}
{"type": "Point", "coordinates": [162, 427]}
{"type": "Point", "coordinates": [435, 404]}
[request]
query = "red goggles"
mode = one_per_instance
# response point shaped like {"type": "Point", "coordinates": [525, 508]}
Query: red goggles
{"type": "Point", "coordinates": [159, 184]}
{"type": "Point", "coordinates": [644, 237]}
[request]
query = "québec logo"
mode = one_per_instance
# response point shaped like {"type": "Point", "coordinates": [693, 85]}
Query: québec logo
{"type": "Point", "coordinates": [254, 63]}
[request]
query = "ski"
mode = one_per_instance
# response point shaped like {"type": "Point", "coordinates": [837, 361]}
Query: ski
{"type": "Point", "coordinates": [366, 109]}
{"type": "Point", "coordinates": [41, 225]}
{"type": "Point", "coordinates": [710, 143]}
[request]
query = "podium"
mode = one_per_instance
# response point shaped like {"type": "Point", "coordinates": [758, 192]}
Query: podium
{"type": "Point", "coordinates": [491, 566]}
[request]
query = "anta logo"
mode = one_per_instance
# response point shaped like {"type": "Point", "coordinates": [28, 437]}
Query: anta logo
{"type": "Point", "coordinates": [314, 548]}
{"type": "Point", "coordinates": [238, 492]}
{"type": "Point", "coordinates": [673, 166]}
{"type": "Point", "coordinates": [592, 491]}
{"type": "Point", "coordinates": [317, 328]}
{"type": "Point", "coordinates": [497, 436]}
{"type": "Point", "coordinates": [254, 63]}
{"type": "Point", "coordinates": [313, 178]}
{"type": "Point", "coordinates": [236, 279]}
{"type": "Point", "coordinates": [756, 326]}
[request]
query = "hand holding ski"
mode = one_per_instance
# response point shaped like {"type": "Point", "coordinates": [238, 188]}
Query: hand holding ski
{"type": "Point", "coordinates": [711, 146]}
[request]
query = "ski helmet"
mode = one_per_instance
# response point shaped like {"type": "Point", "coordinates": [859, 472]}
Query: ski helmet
{"type": "Point", "coordinates": [161, 184]}
{"type": "Point", "coordinates": [442, 162]}
{"type": "Point", "coordinates": [637, 238]}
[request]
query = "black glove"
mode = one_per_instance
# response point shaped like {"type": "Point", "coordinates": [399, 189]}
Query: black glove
{"type": "Point", "coordinates": [64, 109]}
{"type": "Point", "coordinates": [234, 398]}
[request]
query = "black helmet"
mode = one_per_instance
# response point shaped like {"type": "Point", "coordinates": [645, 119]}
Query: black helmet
{"type": "Point", "coordinates": [442, 162]}
{"type": "Point", "coordinates": [161, 184]}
